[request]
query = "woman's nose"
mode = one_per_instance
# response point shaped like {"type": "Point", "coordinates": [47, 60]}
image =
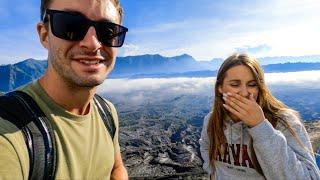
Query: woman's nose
{"type": "Point", "coordinates": [244, 92]}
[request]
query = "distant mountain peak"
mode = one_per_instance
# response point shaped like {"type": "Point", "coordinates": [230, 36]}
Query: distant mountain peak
{"type": "Point", "coordinates": [217, 59]}
{"type": "Point", "coordinates": [183, 56]}
{"type": "Point", "coordinates": [30, 59]}
{"type": "Point", "coordinates": [142, 55]}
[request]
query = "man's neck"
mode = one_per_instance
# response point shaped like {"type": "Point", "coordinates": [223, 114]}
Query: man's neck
{"type": "Point", "coordinates": [76, 100]}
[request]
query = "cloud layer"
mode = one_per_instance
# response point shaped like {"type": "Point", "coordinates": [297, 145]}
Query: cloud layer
{"type": "Point", "coordinates": [307, 79]}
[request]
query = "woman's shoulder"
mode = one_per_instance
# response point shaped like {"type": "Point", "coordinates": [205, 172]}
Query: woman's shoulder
{"type": "Point", "coordinates": [206, 119]}
{"type": "Point", "coordinates": [208, 115]}
{"type": "Point", "coordinates": [292, 118]}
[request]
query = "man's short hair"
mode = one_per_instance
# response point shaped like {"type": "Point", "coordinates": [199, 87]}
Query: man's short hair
{"type": "Point", "coordinates": [45, 4]}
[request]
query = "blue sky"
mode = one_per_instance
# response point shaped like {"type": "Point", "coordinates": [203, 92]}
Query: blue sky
{"type": "Point", "coordinates": [205, 29]}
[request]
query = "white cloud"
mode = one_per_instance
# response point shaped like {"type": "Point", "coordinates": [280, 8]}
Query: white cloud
{"type": "Point", "coordinates": [256, 50]}
{"type": "Point", "coordinates": [174, 86]}
{"type": "Point", "coordinates": [139, 91]}
{"type": "Point", "coordinates": [306, 79]}
{"type": "Point", "coordinates": [130, 94]}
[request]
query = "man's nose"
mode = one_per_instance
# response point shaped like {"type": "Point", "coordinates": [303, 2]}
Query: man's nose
{"type": "Point", "coordinates": [90, 40]}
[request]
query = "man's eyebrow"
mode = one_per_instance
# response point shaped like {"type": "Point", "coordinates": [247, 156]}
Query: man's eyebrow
{"type": "Point", "coordinates": [71, 10]}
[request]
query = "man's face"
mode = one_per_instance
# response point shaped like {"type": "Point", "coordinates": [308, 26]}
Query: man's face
{"type": "Point", "coordinates": [87, 62]}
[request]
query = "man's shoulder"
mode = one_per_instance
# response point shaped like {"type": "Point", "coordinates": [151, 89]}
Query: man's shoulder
{"type": "Point", "coordinates": [111, 109]}
{"type": "Point", "coordinates": [7, 127]}
{"type": "Point", "coordinates": [9, 112]}
{"type": "Point", "coordinates": [108, 103]}
{"type": "Point", "coordinates": [15, 107]}
{"type": "Point", "coordinates": [13, 151]}
{"type": "Point", "coordinates": [9, 130]}
{"type": "Point", "coordinates": [30, 88]}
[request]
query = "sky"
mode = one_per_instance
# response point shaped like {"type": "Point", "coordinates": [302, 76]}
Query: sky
{"type": "Point", "coordinates": [204, 29]}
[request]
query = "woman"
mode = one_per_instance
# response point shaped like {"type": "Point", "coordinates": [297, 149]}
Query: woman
{"type": "Point", "coordinates": [249, 134]}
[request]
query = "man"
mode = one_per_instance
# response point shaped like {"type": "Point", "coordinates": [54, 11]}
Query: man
{"type": "Point", "coordinates": [81, 37]}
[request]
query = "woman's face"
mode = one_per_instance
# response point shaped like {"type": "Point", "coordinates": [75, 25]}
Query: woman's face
{"type": "Point", "coordinates": [240, 80]}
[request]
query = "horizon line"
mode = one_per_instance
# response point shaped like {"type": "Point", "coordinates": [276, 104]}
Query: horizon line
{"type": "Point", "coordinates": [184, 54]}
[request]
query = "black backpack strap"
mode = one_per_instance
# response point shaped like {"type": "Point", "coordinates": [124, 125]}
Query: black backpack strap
{"type": "Point", "coordinates": [21, 110]}
{"type": "Point", "coordinates": [105, 113]}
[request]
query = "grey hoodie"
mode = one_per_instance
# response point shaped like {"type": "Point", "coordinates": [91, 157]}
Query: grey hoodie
{"type": "Point", "coordinates": [278, 152]}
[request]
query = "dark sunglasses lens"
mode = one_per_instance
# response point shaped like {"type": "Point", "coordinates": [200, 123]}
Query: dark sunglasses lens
{"type": "Point", "coordinates": [111, 34]}
{"type": "Point", "coordinates": [68, 26]}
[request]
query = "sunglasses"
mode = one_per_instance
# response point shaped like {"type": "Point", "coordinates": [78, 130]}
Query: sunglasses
{"type": "Point", "coordinates": [74, 26]}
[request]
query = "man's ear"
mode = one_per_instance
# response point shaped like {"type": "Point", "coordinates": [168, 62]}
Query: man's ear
{"type": "Point", "coordinates": [43, 34]}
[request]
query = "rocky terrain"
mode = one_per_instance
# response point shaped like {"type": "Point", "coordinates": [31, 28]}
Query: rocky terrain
{"type": "Point", "coordinates": [166, 150]}
{"type": "Point", "coordinates": [160, 143]}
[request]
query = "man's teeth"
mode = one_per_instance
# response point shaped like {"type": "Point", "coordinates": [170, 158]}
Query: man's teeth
{"type": "Point", "coordinates": [89, 62]}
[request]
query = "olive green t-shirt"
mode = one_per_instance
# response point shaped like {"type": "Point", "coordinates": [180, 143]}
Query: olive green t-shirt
{"type": "Point", "coordinates": [85, 149]}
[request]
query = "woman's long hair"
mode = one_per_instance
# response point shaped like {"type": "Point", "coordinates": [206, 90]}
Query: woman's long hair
{"type": "Point", "coordinates": [271, 107]}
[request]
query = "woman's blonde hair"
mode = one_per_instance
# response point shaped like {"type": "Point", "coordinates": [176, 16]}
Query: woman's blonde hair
{"type": "Point", "coordinates": [271, 107]}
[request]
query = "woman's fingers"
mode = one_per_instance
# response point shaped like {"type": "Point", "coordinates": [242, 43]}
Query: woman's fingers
{"type": "Point", "coordinates": [235, 100]}
{"type": "Point", "coordinates": [241, 98]}
{"type": "Point", "coordinates": [232, 110]}
{"type": "Point", "coordinates": [235, 104]}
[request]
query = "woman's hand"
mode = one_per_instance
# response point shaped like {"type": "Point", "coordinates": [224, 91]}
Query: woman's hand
{"type": "Point", "coordinates": [247, 110]}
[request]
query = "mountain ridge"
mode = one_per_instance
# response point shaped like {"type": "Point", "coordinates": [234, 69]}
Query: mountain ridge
{"type": "Point", "coordinates": [153, 65]}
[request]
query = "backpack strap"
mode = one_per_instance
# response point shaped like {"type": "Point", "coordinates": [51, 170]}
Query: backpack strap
{"type": "Point", "coordinates": [21, 110]}
{"type": "Point", "coordinates": [105, 113]}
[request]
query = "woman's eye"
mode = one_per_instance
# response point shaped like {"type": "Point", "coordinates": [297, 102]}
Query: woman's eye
{"type": "Point", "coordinates": [253, 85]}
{"type": "Point", "coordinates": [234, 85]}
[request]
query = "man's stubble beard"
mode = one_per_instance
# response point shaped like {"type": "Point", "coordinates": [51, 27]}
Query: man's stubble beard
{"type": "Point", "coordinates": [62, 66]}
